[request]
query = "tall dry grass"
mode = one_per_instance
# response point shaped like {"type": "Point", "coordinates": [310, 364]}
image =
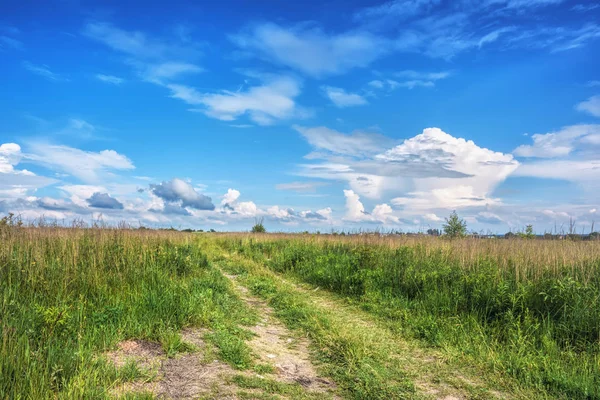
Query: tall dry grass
{"type": "Point", "coordinates": [526, 258]}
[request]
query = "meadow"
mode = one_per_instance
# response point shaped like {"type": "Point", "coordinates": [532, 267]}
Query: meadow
{"type": "Point", "coordinates": [511, 318]}
{"type": "Point", "coordinates": [527, 308]}
{"type": "Point", "coordinates": [67, 295]}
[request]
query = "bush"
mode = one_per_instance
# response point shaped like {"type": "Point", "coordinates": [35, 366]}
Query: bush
{"type": "Point", "coordinates": [258, 226]}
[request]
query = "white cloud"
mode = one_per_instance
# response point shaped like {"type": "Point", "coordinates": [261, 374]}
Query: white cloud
{"type": "Point", "coordinates": [156, 60]}
{"type": "Point", "coordinates": [290, 216]}
{"type": "Point", "coordinates": [423, 76]}
{"type": "Point", "coordinates": [355, 210]}
{"type": "Point", "coordinates": [559, 143]}
{"type": "Point", "coordinates": [300, 186]}
{"type": "Point", "coordinates": [466, 176]}
{"type": "Point", "coordinates": [571, 170]}
{"type": "Point", "coordinates": [356, 144]}
{"type": "Point", "coordinates": [494, 35]}
{"type": "Point", "coordinates": [487, 217]}
{"type": "Point", "coordinates": [10, 155]}
{"type": "Point", "coordinates": [9, 42]}
{"type": "Point", "coordinates": [585, 7]}
{"type": "Point", "coordinates": [410, 79]}
{"type": "Point", "coordinates": [230, 197]}
{"type": "Point", "coordinates": [341, 98]}
{"type": "Point", "coordinates": [415, 83]}
{"type": "Point", "coordinates": [590, 106]}
{"type": "Point", "coordinates": [556, 214]}
{"type": "Point", "coordinates": [310, 50]}
{"type": "Point", "coordinates": [428, 171]}
{"type": "Point", "coordinates": [377, 84]}
{"type": "Point", "coordinates": [157, 73]}
{"type": "Point", "coordinates": [430, 27]}
{"type": "Point", "coordinates": [265, 104]}
{"type": "Point", "coordinates": [115, 80]}
{"type": "Point", "coordinates": [396, 9]}
{"type": "Point", "coordinates": [85, 165]}
{"type": "Point", "coordinates": [43, 71]}
{"type": "Point", "coordinates": [231, 206]}
{"type": "Point", "coordinates": [432, 217]}
{"type": "Point", "coordinates": [14, 182]}
{"type": "Point", "coordinates": [526, 3]}
{"type": "Point", "coordinates": [415, 79]}
{"type": "Point", "coordinates": [137, 44]}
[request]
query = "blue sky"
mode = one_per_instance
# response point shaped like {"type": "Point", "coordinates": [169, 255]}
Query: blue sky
{"type": "Point", "coordinates": [312, 115]}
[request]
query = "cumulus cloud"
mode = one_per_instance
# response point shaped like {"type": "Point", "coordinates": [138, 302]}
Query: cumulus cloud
{"type": "Point", "coordinates": [310, 50]}
{"type": "Point", "coordinates": [468, 174]}
{"type": "Point", "coordinates": [230, 205]}
{"type": "Point", "coordinates": [341, 98]}
{"type": "Point", "coordinates": [104, 200]}
{"type": "Point", "coordinates": [430, 170]}
{"type": "Point", "coordinates": [15, 182]}
{"type": "Point", "coordinates": [230, 197]}
{"type": "Point", "coordinates": [355, 211]}
{"type": "Point", "coordinates": [431, 217]}
{"type": "Point", "coordinates": [10, 155]}
{"type": "Point", "coordinates": [289, 215]}
{"type": "Point", "coordinates": [590, 106]}
{"type": "Point", "coordinates": [234, 209]}
{"type": "Point", "coordinates": [181, 192]}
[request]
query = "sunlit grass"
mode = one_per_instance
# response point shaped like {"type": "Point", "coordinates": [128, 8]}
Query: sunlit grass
{"type": "Point", "coordinates": [530, 309]}
{"type": "Point", "coordinates": [67, 295]}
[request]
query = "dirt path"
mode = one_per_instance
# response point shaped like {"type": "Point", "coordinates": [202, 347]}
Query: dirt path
{"type": "Point", "coordinates": [192, 376]}
{"type": "Point", "coordinates": [186, 376]}
{"type": "Point", "coordinates": [275, 345]}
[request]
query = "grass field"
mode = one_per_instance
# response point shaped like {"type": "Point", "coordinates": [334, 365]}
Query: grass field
{"type": "Point", "coordinates": [369, 317]}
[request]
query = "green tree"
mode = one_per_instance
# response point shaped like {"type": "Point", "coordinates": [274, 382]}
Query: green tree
{"type": "Point", "coordinates": [528, 234]}
{"type": "Point", "coordinates": [258, 227]}
{"type": "Point", "coordinates": [454, 226]}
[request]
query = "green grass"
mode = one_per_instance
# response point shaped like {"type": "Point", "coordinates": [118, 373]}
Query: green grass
{"type": "Point", "coordinates": [358, 361]}
{"type": "Point", "coordinates": [542, 330]}
{"type": "Point", "coordinates": [269, 387]}
{"type": "Point", "coordinates": [66, 296]}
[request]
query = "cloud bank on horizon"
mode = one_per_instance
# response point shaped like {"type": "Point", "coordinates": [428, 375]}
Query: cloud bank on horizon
{"type": "Point", "coordinates": [390, 115]}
